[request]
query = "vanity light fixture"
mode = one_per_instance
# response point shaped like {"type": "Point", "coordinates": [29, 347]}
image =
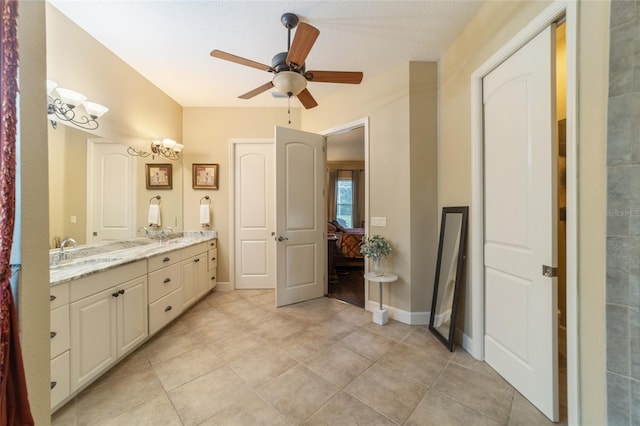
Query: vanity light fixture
{"type": "Point", "coordinates": [167, 148]}
{"type": "Point", "coordinates": [65, 108]}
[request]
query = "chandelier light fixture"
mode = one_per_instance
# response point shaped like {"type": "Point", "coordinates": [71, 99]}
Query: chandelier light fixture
{"type": "Point", "coordinates": [66, 108]}
{"type": "Point", "coordinates": [167, 148]}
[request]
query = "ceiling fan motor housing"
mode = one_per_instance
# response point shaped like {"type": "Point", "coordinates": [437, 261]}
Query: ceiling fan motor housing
{"type": "Point", "coordinates": [279, 63]}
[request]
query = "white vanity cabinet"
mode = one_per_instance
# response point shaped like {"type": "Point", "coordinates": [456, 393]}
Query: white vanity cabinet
{"type": "Point", "coordinates": [59, 297]}
{"type": "Point", "coordinates": [195, 280]}
{"type": "Point", "coordinates": [212, 266]}
{"type": "Point", "coordinates": [165, 291]}
{"type": "Point", "coordinates": [108, 314]}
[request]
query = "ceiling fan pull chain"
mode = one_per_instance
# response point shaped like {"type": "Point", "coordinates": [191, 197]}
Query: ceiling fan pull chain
{"type": "Point", "coordinates": [289, 108]}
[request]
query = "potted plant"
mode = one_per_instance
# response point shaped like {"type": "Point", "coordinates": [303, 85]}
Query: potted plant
{"type": "Point", "coordinates": [376, 248]}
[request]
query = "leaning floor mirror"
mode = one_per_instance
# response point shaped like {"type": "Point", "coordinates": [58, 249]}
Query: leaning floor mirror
{"type": "Point", "coordinates": [449, 268]}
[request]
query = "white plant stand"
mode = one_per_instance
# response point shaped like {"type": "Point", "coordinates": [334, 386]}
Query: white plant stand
{"type": "Point", "coordinates": [381, 316]}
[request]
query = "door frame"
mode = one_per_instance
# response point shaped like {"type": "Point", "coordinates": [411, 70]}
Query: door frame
{"type": "Point", "coordinates": [343, 128]}
{"type": "Point", "coordinates": [232, 207]}
{"type": "Point", "coordinates": [475, 346]}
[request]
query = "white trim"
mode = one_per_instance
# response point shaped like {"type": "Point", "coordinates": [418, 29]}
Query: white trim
{"type": "Point", "coordinates": [342, 128]}
{"type": "Point", "coordinates": [476, 281]}
{"type": "Point", "coordinates": [232, 208]}
{"type": "Point", "coordinates": [411, 318]}
{"type": "Point", "coordinates": [226, 286]}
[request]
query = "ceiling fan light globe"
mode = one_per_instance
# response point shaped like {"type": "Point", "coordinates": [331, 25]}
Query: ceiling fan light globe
{"type": "Point", "coordinates": [289, 83]}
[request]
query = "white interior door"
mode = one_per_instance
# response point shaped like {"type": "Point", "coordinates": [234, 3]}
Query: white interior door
{"type": "Point", "coordinates": [254, 215]}
{"type": "Point", "coordinates": [111, 192]}
{"type": "Point", "coordinates": [520, 222]}
{"type": "Point", "coordinates": [300, 216]}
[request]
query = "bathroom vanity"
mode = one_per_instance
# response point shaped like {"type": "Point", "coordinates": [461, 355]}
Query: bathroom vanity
{"type": "Point", "coordinates": [110, 298]}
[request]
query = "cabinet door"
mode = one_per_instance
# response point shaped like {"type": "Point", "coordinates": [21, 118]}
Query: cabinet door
{"type": "Point", "coordinates": [188, 282]}
{"type": "Point", "coordinates": [132, 314]}
{"type": "Point", "coordinates": [201, 275]}
{"type": "Point", "coordinates": [93, 336]}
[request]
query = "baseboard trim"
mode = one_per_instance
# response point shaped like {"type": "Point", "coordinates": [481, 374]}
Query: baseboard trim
{"type": "Point", "coordinates": [406, 317]}
{"type": "Point", "coordinates": [223, 287]}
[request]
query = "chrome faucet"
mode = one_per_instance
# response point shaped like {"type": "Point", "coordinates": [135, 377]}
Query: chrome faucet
{"type": "Point", "coordinates": [146, 230]}
{"type": "Point", "coordinates": [165, 232]}
{"type": "Point", "coordinates": [63, 255]}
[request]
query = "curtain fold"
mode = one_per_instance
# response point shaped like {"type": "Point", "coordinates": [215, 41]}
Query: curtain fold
{"type": "Point", "coordinates": [331, 198]}
{"type": "Point", "coordinates": [14, 403]}
{"type": "Point", "coordinates": [355, 207]}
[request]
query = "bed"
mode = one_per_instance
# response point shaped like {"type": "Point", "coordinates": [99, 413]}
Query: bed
{"type": "Point", "coordinates": [348, 241]}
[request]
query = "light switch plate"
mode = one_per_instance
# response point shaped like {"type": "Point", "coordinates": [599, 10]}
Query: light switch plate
{"type": "Point", "coordinates": [379, 221]}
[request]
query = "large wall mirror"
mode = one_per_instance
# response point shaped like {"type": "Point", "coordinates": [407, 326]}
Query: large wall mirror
{"type": "Point", "coordinates": [449, 269]}
{"type": "Point", "coordinates": [72, 200]}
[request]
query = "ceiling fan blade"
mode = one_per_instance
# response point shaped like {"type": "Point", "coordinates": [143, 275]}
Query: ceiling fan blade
{"type": "Point", "coordinates": [349, 77]}
{"type": "Point", "coordinates": [306, 99]}
{"type": "Point", "coordinates": [257, 91]}
{"type": "Point", "coordinates": [303, 41]}
{"type": "Point", "coordinates": [238, 60]}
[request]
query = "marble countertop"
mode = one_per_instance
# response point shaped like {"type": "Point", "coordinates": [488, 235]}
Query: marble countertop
{"type": "Point", "coordinates": [93, 258]}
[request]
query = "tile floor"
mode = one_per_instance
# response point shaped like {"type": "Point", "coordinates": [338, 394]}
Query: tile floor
{"type": "Point", "coordinates": [234, 359]}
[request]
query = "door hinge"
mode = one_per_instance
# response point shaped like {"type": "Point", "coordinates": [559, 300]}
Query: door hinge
{"type": "Point", "coordinates": [549, 271]}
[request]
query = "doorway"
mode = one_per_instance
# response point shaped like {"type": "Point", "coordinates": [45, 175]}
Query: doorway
{"type": "Point", "coordinates": [347, 210]}
{"type": "Point", "coordinates": [345, 216]}
{"type": "Point", "coordinates": [477, 346]}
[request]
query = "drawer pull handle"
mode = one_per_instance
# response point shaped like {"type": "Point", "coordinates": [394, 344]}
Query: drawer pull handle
{"type": "Point", "coordinates": [213, 258]}
{"type": "Point", "coordinates": [53, 384]}
{"type": "Point", "coordinates": [53, 334]}
{"type": "Point", "coordinates": [167, 280]}
{"type": "Point", "coordinates": [196, 260]}
{"type": "Point", "coordinates": [166, 259]}
{"type": "Point", "coordinates": [212, 244]}
{"type": "Point", "coordinates": [116, 294]}
{"type": "Point", "coordinates": [52, 298]}
{"type": "Point", "coordinates": [213, 278]}
{"type": "Point", "coordinates": [168, 308]}
{"type": "Point", "coordinates": [121, 291]}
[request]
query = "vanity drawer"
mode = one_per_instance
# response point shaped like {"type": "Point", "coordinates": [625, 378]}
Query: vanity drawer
{"type": "Point", "coordinates": [194, 250]}
{"type": "Point", "coordinates": [213, 259]}
{"type": "Point", "coordinates": [59, 378]}
{"type": "Point", "coordinates": [162, 260]}
{"type": "Point", "coordinates": [164, 281]}
{"type": "Point", "coordinates": [165, 310]}
{"type": "Point", "coordinates": [213, 244]}
{"type": "Point", "coordinates": [59, 295]}
{"type": "Point", "coordinates": [59, 330]}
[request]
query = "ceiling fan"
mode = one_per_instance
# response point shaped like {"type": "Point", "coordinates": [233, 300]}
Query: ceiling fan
{"type": "Point", "coordinates": [289, 68]}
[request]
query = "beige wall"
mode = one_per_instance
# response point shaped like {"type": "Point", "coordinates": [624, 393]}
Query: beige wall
{"type": "Point", "coordinates": [396, 133]}
{"type": "Point", "coordinates": [206, 134]}
{"type": "Point", "coordinates": [491, 28]}
{"type": "Point", "coordinates": [33, 295]}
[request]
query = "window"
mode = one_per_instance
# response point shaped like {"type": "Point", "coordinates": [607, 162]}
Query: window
{"type": "Point", "coordinates": [344, 198]}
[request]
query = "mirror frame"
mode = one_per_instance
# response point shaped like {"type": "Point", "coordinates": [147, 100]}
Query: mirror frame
{"type": "Point", "coordinates": [464, 210]}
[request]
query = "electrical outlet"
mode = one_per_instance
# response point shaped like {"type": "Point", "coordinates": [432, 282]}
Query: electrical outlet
{"type": "Point", "coordinates": [74, 219]}
{"type": "Point", "coordinates": [379, 221]}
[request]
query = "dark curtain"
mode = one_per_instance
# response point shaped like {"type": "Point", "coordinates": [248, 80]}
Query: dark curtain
{"type": "Point", "coordinates": [14, 404]}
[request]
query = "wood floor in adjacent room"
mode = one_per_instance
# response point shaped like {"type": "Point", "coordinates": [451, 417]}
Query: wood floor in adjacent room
{"type": "Point", "coordinates": [235, 359]}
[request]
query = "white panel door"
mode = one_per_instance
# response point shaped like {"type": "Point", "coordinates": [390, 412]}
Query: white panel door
{"type": "Point", "coordinates": [520, 222]}
{"type": "Point", "coordinates": [254, 215]}
{"type": "Point", "coordinates": [300, 216]}
{"type": "Point", "coordinates": [111, 197]}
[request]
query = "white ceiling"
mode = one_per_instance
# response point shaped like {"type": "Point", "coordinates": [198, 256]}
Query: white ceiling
{"type": "Point", "coordinates": [169, 41]}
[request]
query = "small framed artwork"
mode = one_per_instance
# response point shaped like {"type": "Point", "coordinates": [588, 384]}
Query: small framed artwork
{"type": "Point", "coordinates": [205, 176]}
{"type": "Point", "coordinates": [159, 176]}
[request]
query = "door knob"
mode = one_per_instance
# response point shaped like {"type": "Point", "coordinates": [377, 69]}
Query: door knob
{"type": "Point", "coordinates": [281, 239]}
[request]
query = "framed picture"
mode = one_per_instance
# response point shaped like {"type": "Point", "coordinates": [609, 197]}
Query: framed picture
{"type": "Point", "coordinates": [159, 176]}
{"type": "Point", "coordinates": [205, 176]}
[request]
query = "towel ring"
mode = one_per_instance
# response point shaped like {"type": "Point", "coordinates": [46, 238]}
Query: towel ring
{"type": "Point", "coordinates": [157, 197]}
{"type": "Point", "coordinates": [206, 197]}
